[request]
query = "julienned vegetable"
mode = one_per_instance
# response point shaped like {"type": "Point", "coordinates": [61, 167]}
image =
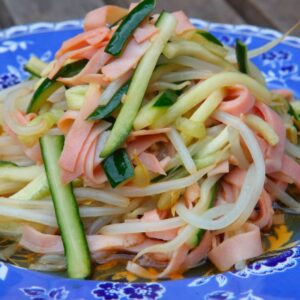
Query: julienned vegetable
{"type": "Point", "coordinates": [35, 66]}
{"type": "Point", "coordinates": [195, 241]}
{"type": "Point", "coordinates": [242, 56]}
{"type": "Point", "coordinates": [186, 119]}
{"type": "Point", "coordinates": [210, 37]}
{"type": "Point", "coordinates": [118, 168]}
{"type": "Point", "coordinates": [167, 98]}
{"type": "Point", "coordinates": [102, 112]}
{"type": "Point", "coordinates": [138, 85]}
{"type": "Point", "coordinates": [66, 210]}
{"type": "Point", "coordinates": [128, 25]}
{"type": "Point", "coordinates": [49, 86]}
{"type": "Point", "coordinates": [154, 109]}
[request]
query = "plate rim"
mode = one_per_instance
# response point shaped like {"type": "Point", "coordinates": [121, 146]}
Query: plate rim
{"type": "Point", "coordinates": [46, 27]}
{"type": "Point", "coordinates": [247, 29]}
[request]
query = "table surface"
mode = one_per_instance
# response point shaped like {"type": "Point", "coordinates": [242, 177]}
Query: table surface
{"type": "Point", "coordinates": [277, 14]}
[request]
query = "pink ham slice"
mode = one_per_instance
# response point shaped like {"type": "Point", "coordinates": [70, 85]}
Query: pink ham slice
{"type": "Point", "coordinates": [144, 33]}
{"type": "Point", "coordinates": [238, 101]}
{"type": "Point", "coordinates": [183, 23]}
{"type": "Point", "coordinates": [165, 235]}
{"type": "Point", "coordinates": [221, 168]}
{"type": "Point", "coordinates": [82, 53]}
{"type": "Point", "coordinates": [289, 172]}
{"type": "Point", "coordinates": [237, 248]}
{"type": "Point", "coordinates": [42, 243]}
{"type": "Point", "coordinates": [151, 163]}
{"type": "Point", "coordinates": [77, 136]}
{"type": "Point", "coordinates": [99, 59]}
{"type": "Point", "coordinates": [102, 16]}
{"type": "Point", "coordinates": [274, 155]}
{"type": "Point", "coordinates": [128, 61]}
{"type": "Point", "coordinates": [66, 121]}
{"type": "Point", "coordinates": [199, 253]}
{"type": "Point", "coordinates": [191, 194]}
{"type": "Point", "coordinates": [82, 40]}
{"type": "Point", "coordinates": [142, 143]}
{"type": "Point", "coordinates": [263, 218]}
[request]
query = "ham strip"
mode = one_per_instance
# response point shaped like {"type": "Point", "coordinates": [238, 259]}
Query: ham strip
{"type": "Point", "coordinates": [241, 101]}
{"type": "Point", "coordinates": [237, 248]}
{"type": "Point", "coordinates": [274, 154]}
{"type": "Point", "coordinates": [263, 219]}
{"type": "Point", "coordinates": [66, 121]}
{"type": "Point", "coordinates": [144, 33]}
{"type": "Point", "coordinates": [165, 235]}
{"type": "Point", "coordinates": [38, 242]}
{"type": "Point", "coordinates": [142, 143]}
{"type": "Point", "coordinates": [99, 59]}
{"type": "Point", "coordinates": [102, 16]}
{"type": "Point", "coordinates": [79, 132]}
{"type": "Point", "coordinates": [82, 40]}
{"type": "Point", "coordinates": [183, 23]}
{"type": "Point", "coordinates": [151, 163]}
{"type": "Point", "coordinates": [289, 172]}
{"type": "Point", "coordinates": [128, 61]}
{"type": "Point", "coordinates": [82, 53]}
{"type": "Point", "coordinates": [199, 253]}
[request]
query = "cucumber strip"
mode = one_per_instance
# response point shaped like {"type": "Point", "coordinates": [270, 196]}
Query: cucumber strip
{"type": "Point", "coordinates": [35, 66]}
{"type": "Point", "coordinates": [5, 163]}
{"type": "Point", "coordinates": [166, 99]}
{"type": "Point", "coordinates": [196, 239]}
{"type": "Point", "coordinates": [49, 86]}
{"type": "Point", "coordinates": [242, 57]}
{"type": "Point", "coordinates": [128, 26]}
{"type": "Point", "coordinates": [118, 167]}
{"type": "Point", "coordinates": [66, 210]}
{"type": "Point", "coordinates": [292, 112]}
{"type": "Point", "coordinates": [105, 111]}
{"type": "Point", "coordinates": [154, 109]}
{"type": "Point", "coordinates": [209, 37]}
{"type": "Point", "coordinates": [36, 189]}
{"type": "Point", "coordinates": [138, 86]}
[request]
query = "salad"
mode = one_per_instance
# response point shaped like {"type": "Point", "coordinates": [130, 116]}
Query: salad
{"type": "Point", "coordinates": [149, 141]}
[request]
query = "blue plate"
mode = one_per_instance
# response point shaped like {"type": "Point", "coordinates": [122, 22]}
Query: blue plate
{"type": "Point", "coordinates": [272, 278]}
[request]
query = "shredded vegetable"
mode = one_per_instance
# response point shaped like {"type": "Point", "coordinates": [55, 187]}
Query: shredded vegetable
{"type": "Point", "coordinates": [164, 148]}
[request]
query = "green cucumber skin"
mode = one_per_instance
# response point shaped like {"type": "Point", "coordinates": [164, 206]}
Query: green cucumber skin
{"type": "Point", "coordinates": [241, 55]}
{"type": "Point", "coordinates": [138, 86]}
{"type": "Point", "coordinates": [128, 26]}
{"type": "Point", "coordinates": [5, 163]}
{"type": "Point", "coordinates": [200, 232]}
{"type": "Point", "coordinates": [166, 99]}
{"type": "Point", "coordinates": [66, 210]}
{"type": "Point", "coordinates": [102, 112]}
{"type": "Point", "coordinates": [118, 167]}
{"type": "Point", "coordinates": [49, 86]}
{"type": "Point", "coordinates": [209, 37]}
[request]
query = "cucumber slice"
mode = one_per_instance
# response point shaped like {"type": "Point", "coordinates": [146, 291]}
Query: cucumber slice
{"type": "Point", "coordinates": [49, 86]}
{"type": "Point", "coordinates": [138, 86]}
{"type": "Point", "coordinates": [209, 37]}
{"type": "Point", "coordinates": [196, 239]}
{"type": "Point", "coordinates": [118, 167]}
{"type": "Point", "coordinates": [105, 111]}
{"type": "Point", "coordinates": [35, 66]}
{"type": "Point", "coordinates": [154, 109]}
{"type": "Point", "coordinates": [129, 24]}
{"type": "Point", "coordinates": [66, 210]}
{"type": "Point", "coordinates": [7, 163]}
{"type": "Point", "coordinates": [242, 57]}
